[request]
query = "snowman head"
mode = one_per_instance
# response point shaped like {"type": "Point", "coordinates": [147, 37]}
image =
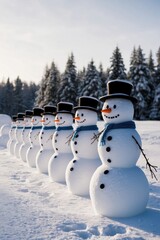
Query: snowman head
{"type": "Point", "coordinates": [27, 121]}
{"type": "Point", "coordinates": [20, 119]}
{"type": "Point", "coordinates": [64, 116]}
{"type": "Point", "coordinates": [48, 115]}
{"type": "Point", "coordinates": [85, 117]}
{"type": "Point", "coordinates": [86, 111]}
{"type": "Point", "coordinates": [118, 103]}
{"type": "Point", "coordinates": [63, 120]}
{"type": "Point", "coordinates": [27, 118]}
{"type": "Point", "coordinates": [36, 119]}
{"type": "Point", "coordinates": [48, 120]}
{"type": "Point", "coordinates": [117, 110]}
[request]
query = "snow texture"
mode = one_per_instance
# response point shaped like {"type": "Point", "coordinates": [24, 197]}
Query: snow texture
{"type": "Point", "coordinates": [34, 208]}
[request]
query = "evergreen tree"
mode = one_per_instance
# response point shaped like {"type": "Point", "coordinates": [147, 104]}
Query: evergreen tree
{"type": "Point", "coordinates": [103, 77]}
{"type": "Point", "coordinates": [29, 95]}
{"type": "Point", "coordinates": [8, 97]}
{"type": "Point", "coordinates": [142, 86]}
{"type": "Point", "coordinates": [18, 97]}
{"type": "Point", "coordinates": [69, 87]}
{"type": "Point", "coordinates": [92, 82]}
{"type": "Point", "coordinates": [80, 82]}
{"type": "Point", "coordinates": [155, 110]}
{"type": "Point", "coordinates": [157, 73]}
{"type": "Point", "coordinates": [40, 94]}
{"type": "Point", "coordinates": [2, 97]}
{"type": "Point", "coordinates": [117, 68]}
{"type": "Point", "coordinates": [53, 84]}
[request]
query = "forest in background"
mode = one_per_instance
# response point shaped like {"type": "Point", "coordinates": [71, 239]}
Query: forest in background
{"type": "Point", "coordinates": [144, 73]}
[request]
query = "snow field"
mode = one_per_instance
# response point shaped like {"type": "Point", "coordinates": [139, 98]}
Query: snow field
{"type": "Point", "coordinates": [34, 208]}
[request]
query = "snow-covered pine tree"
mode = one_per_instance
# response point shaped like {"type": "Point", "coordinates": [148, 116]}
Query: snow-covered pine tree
{"type": "Point", "coordinates": [151, 67]}
{"type": "Point", "coordinates": [68, 87]}
{"type": "Point", "coordinates": [18, 96]}
{"type": "Point", "coordinates": [103, 77]}
{"type": "Point", "coordinates": [142, 85]}
{"type": "Point", "coordinates": [52, 86]}
{"type": "Point", "coordinates": [155, 111]}
{"type": "Point", "coordinates": [80, 81]}
{"type": "Point", "coordinates": [29, 94]}
{"type": "Point", "coordinates": [117, 68]}
{"type": "Point", "coordinates": [8, 98]}
{"type": "Point", "coordinates": [92, 82]}
{"type": "Point", "coordinates": [39, 101]}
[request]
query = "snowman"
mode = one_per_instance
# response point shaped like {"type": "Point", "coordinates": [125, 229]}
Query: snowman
{"type": "Point", "coordinates": [19, 130]}
{"type": "Point", "coordinates": [25, 135]}
{"type": "Point", "coordinates": [118, 187]}
{"type": "Point", "coordinates": [45, 139]}
{"type": "Point", "coordinates": [34, 137]}
{"type": "Point", "coordinates": [12, 137]}
{"type": "Point", "coordinates": [86, 159]}
{"type": "Point", "coordinates": [63, 154]}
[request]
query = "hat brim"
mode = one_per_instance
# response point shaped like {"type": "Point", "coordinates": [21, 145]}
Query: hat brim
{"type": "Point", "coordinates": [104, 98]}
{"type": "Point", "coordinates": [65, 112]}
{"type": "Point", "coordinates": [48, 113]}
{"type": "Point", "coordinates": [88, 108]}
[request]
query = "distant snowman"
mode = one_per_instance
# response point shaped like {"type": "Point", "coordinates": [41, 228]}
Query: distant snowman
{"type": "Point", "coordinates": [19, 129]}
{"type": "Point", "coordinates": [86, 159]}
{"type": "Point", "coordinates": [118, 187]}
{"type": "Point", "coordinates": [45, 138]}
{"type": "Point", "coordinates": [63, 154]}
{"type": "Point", "coordinates": [12, 135]}
{"type": "Point", "coordinates": [25, 135]}
{"type": "Point", "coordinates": [34, 137]}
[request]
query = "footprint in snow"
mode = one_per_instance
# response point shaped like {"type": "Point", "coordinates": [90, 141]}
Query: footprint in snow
{"type": "Point", "coordinates": [112, 230]}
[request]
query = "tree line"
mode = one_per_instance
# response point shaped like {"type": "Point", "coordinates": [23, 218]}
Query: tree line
{"type": "Point", "coordinates": [143, 72]}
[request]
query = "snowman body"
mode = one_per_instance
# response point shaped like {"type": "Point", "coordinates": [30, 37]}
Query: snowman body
{"type": "Point", "coordinates": [118, 187]}
{"type": "Point", "coordinates": [25, 137]}
{"type": "Point", "coordinates": [45, 140]}
{"type": "Point", "coordinates": [86, 159]}
{"type": "Point", "coordinates": [34, 141]}
{"type": "Point", "coordinates": [12, 138]}
{"type": "Point", "coordinates": [63, 154]}
{"type": "Point", "coordinates": [19, 140]}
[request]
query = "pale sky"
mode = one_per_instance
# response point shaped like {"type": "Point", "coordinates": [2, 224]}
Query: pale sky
{"type": "Point", "coordinates": [35, 32]}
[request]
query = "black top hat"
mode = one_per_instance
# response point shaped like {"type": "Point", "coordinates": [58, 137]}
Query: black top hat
{"type": "Point", "coordinates": [65, 107]}
{"type": "Point", "coordinates": [14, 118]}
{"type": "Point", "coordinates": [49, 110]}
{"type": "Point", "coordinates": [28, 114]}
{"type": "Point", "coordinates": [89, 103]}
{"type": "Point", "coordinates": [20, 116]}
{"type": "Point", "coordinates": [119, 89]}
{"type": "Point", "coordinates": [37, 111]}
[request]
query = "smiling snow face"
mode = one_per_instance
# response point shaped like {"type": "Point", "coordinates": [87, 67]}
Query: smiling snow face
{"type": "Point", "coordinates": [48, 120]}
{"type": "Point", "coordinates": [27, 122]}
{"type": "Point", "coordinates": [63, 120]}
{"type": "Point", "coordinates": [36, 121]}
{"type": "Point", "coordinates": [117, 110]}
{"type": "Point", "coordinates": [85, 117]}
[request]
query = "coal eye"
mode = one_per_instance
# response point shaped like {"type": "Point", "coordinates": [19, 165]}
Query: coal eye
{"type": "Point", "coordinates": [107, 106]}
{"type": "Point", "coordinates": [46, 118]}
{"type": "Point", "coordinates": [114, 106]}
{"type": "Point", "coordinates": [60, 117]}
{"type": "Point", "coordinates": [82, 114]}
{"type": "Point", "coordinates": [35, 119]}
{"type": "Point", "coordinates": [77, 114]}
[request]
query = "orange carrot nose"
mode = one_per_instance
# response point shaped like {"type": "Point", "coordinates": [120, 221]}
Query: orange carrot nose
{"type": "Point", "coordinates": [76, 118]}
{"type": "Point", "coordinates": [42, 121]}
{"type": "Point", "coordinates": [107, 110]}
{"type": "Point", "coordinates": [57, 120]}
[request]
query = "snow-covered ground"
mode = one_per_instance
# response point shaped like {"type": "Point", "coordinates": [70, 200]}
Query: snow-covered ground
{"type": "Point", "coordinates": [31, 207]}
